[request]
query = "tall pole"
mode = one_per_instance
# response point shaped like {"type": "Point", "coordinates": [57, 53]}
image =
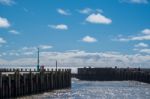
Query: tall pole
{"type": "Point", "coordinates": [38, 61]}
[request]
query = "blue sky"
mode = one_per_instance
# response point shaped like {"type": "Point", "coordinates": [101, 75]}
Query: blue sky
{"type": "Point", "coordinates": [89, 31]}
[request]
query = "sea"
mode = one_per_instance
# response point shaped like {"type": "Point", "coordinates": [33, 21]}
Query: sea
{"type": "Point", "coordinates": [98, 90]}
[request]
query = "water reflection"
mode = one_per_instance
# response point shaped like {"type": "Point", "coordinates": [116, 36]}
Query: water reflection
{"type": "Point", "coordinates": [99, 90]}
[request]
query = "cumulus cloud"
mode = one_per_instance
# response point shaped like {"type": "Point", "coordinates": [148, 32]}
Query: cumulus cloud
{"type": "Point", "coordinates": [7, 2]}
{"type": "Point", "coordinates": [79, 58]}
{"type": "Point", "coordinates": [2, 41]}
{"type": "Point", "coordinates": [4, 23]}
{"type": "Point", "coordinates": [85, 11]}
{"type": "Point", "coordinates": [144, 35]}
{"type": "Point", "coordinates": [141, 45]}
{"type": "Point", "coordinates": [146, 31]}
{"type": "Point", "coordinates": [45, 46]}
{"type": "Point", "coordinates": [13, 54]}
{"type": "Point", "coordinates": [145, 51]}
{"type": "Point", "coordinates": [59, 27]}
{"type": "Point", "coordinates": [89, 10]}
{"type": "Point", "coordinates": [27, 50]}
{"type": "Point", "coordinates": [15, 32]}
{"type": "Point", "coordinates": [98, 19]}
{"type": "Point", "coordinates": [136, 1]}
{"type": "Point", "coordinates": [63, 12]}
{"type": "Point", "coordinates": [89, 39]}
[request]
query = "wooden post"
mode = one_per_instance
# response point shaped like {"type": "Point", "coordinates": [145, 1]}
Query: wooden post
{"type": "Point", "coordinates": [1, 85]}
{"type": "Point", "coordinates": [9, 85]}
{"type": "Point", "coordinates": [41, 80]}
{"type": "Point", "coordinates": [52, 79]}
{"type": "Point", "coordinates": [37, 82]}
{"type": "Point", "coordinates": [47, 81]}
{"type": "Point", "coordinates": [31, 81]}
{"type": "Point", "coordinates": [17, 82]}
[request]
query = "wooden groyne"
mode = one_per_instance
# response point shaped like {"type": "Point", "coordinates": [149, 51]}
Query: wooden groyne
{"type": "Point", "coordinates": [16, 83]}
{"type": "Point", "coordinates": [114, 74]}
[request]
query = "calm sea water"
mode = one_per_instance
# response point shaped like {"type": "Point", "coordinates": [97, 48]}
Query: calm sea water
{"type": "Point", "coordinates": [99, 90]}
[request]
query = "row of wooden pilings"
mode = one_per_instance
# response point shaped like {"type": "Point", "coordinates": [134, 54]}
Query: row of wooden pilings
{"type": "Point", "coordinates": [113, 74]}
{"type": "Point", "coordinates": [19, 83]}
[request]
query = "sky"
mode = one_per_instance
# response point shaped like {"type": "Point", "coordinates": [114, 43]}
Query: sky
{"type": "Point", "coordinates": [76, 33]}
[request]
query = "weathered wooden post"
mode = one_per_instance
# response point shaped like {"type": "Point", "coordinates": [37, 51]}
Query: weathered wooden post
{"type": "Point", "coordinates": [41, 80]}
{"type": "Point", "coordinates": [46, 78]}
{"type": "Point", "coordinates": [21, 84]}
{"type": "Point", "coordinates": [17, 82]}
{"type": "Point", "coordinates": [69, 78]}
{"type": "Point", "coordinates": [63, 79]}
{"type": "Point", "coordinates": [31, 81]}
{"type": "Point", "coordinates": [4, 87]}
{"type": "Point", "coordinates": [48, 81]}
{"type": "Point", "coordinates": [52, 79]}
{"type": "Point", "coordinates": [37, 82]}
{"type": "Point", "coordinates": [1, 85]}
{"type": "Point", "coordinates": [9, 85]}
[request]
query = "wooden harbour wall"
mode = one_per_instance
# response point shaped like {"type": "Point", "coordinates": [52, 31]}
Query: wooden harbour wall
{"type": "Point", "coordinates": [114, 74]}
{"type": "Point", "coordinates": [16, 83]}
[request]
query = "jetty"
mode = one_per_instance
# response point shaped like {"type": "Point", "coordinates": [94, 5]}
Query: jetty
{"type": "Point", "coordinates": [113, 74]}
{"type": "Point", "coordinates": [21, 82]}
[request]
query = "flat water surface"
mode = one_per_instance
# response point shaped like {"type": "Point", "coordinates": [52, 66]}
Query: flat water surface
{"type": "Point", "coordinates": [99, 90]}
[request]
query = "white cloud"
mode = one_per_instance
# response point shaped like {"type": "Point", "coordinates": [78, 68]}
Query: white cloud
{"type": "Point", "coordinates": [33, 48]}
{"type": "Point", "coordinates": [144, 35]}
{"type": "Point", "coordinates": [24, 51]}
{"type": "Point", "coordinates": [63, 12]}
{"type": "Point", "coordinates": [4, 54]}
{"type": "Point", "coordinates": [45, 46]}
{"type": "Point", "coordinates": [7, 2]}
{"type": "Point", "coordinates": [146, 31]}
{"type": "Point", "coordinates": [89, 10]}
{"type": "Point", "coordinates": [2, 41]}
{"type": "Point", "coordinates": [14, 54]}
{"type": "Point", "coordinates": [99, 10]}
{"type": "Point", "coordinates": [141, 45]}
{"type": "Point", "coordinates": [145, 51]}
{"type": "Point", "coordinates": [14, 32]}
{"type": "Point", "coordinates": [98, 19]}
{"type": "Point", "coordinates": [89, 39]}
{"type": "Point", "coordinates": [59, 26]}
{"type": "Point", "coordinates": [4, 23]}
{"type": "Point", "coordinates": [82, 58]}
{"type": "Point", "coordinates": [86, 11]}
{"type": "Point", "coordinates": [136, 1]}
{"type": "Point", "coordinates": [28, 51]}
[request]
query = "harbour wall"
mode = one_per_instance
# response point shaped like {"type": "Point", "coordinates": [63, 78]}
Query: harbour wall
{"type": "Point", "coordinates": [113, 74]}
{"type": "Point", "coordinates": [19, 82]}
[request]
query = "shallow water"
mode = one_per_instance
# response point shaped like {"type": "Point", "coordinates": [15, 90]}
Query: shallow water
{"type": "Point", "coordinates": [99, 90]}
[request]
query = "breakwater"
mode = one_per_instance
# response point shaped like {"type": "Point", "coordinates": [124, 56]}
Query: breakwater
{"type": "Point", "coordinates": [19, 82]}
{"type": "Point", "coordinates": [114, 74]}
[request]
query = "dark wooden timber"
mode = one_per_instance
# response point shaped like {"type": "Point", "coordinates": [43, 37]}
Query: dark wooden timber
{"type": "Point", "coordinates": [113, 74]}
{"type": "Point", "coordinates": [19, 82]}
